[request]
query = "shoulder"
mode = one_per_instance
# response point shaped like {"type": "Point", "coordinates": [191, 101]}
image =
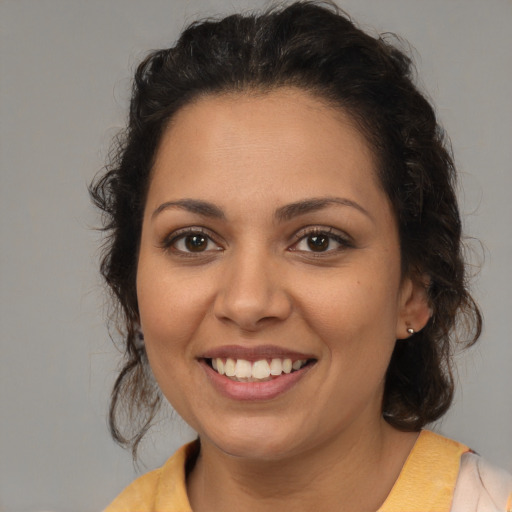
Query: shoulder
{"type": "Point", "coordinates": [441, 474]}
{"type": "Point", "coordinates": [428, 477]}
{"type": "Point", "coordinates": [163, 489]}
{"type": "Point", "coordinates": [139, 495]}
{"type": "Point", "coordinates": [481, 487]}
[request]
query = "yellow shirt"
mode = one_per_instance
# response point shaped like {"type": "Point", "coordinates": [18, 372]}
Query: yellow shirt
{"type": "Point", "coordinates": [425, 484]}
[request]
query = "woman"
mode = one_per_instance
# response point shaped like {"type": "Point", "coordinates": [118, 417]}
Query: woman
{"type": "Point", "coordinates": [285, 246]}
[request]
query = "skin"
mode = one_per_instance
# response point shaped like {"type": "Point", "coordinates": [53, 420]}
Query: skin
{"type": "Point", "coordinates": [258, 282]}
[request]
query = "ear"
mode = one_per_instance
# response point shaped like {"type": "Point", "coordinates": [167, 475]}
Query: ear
{"type": "Point", "coordinates": [414, 310]}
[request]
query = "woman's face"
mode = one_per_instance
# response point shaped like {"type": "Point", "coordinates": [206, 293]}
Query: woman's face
{"type": "Point", "coordinates": [268, 242]}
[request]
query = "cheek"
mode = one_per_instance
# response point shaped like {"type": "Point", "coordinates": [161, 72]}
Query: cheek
{"type": "Point", "coordinates": [169, 311]}
{"type": "Point", "coordinates": [173, 305]}
{"type": "Point", "coordinates": [354, 303]}
{"type": "Point", "coordinates": [356, 321]}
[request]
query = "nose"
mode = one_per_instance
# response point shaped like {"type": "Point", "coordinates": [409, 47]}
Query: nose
{"type": "Point", "coordinates": [252, 292]}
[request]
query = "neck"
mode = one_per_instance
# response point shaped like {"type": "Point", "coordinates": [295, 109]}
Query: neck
{"type": "Point", "coordinates": [355, 471]}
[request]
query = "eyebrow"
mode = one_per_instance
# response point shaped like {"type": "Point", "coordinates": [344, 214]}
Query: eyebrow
{"type": "Point", "coordinates": [197, 206]}
{"type": "Point", "coordinates": [284, 213]}
{"type": "Point", "coordinates": [314, 204]}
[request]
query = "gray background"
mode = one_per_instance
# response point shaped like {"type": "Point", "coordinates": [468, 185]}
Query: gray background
{"type": "Point", "coordinates": [64, 78]}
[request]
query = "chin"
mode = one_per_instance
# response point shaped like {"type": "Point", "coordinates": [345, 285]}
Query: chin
{"type": "Point", "coordinates": [255, 444]}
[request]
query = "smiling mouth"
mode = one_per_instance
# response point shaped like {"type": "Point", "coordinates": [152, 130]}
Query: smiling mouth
{"type": "Point", "coordinates": [262, 370]}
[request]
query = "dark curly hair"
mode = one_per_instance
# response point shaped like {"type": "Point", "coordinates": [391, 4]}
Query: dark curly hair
{"type": "Point", "coordinates": [313, 46]}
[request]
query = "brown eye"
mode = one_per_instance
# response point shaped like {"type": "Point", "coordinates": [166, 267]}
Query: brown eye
{"type": "Point", "coordinates": [196, 243]}
{"type": "Point", "coordinates": [318, 243]}
{"type": "Point", "coordinates": [191, 241]}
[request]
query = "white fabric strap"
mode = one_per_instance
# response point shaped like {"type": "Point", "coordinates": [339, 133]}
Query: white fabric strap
{"type": "Point", "coordinates": [481, 487]}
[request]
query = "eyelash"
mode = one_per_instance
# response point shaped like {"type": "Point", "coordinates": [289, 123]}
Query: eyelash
{"type": "Point", "coordinates": [170, 242]}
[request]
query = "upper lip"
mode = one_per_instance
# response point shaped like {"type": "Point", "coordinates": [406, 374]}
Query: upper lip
{"type": "Point", "coordinates": [254, 353]}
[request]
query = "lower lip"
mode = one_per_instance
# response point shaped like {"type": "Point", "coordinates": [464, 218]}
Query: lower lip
{"type": "Point", "coordinates": [254, 391]}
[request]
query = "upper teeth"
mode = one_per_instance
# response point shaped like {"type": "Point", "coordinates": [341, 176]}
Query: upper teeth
{"type": "Point", "coordinates": [261, 369]}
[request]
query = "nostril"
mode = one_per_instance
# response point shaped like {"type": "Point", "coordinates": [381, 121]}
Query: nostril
{"type": "Point", "coordinates": [252, 313]}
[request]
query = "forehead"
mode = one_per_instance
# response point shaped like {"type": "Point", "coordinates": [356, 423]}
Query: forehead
{"type": "Point", "coordinates": [288, 111]}
{"type": "Point", "coordinates": [286, 140]}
